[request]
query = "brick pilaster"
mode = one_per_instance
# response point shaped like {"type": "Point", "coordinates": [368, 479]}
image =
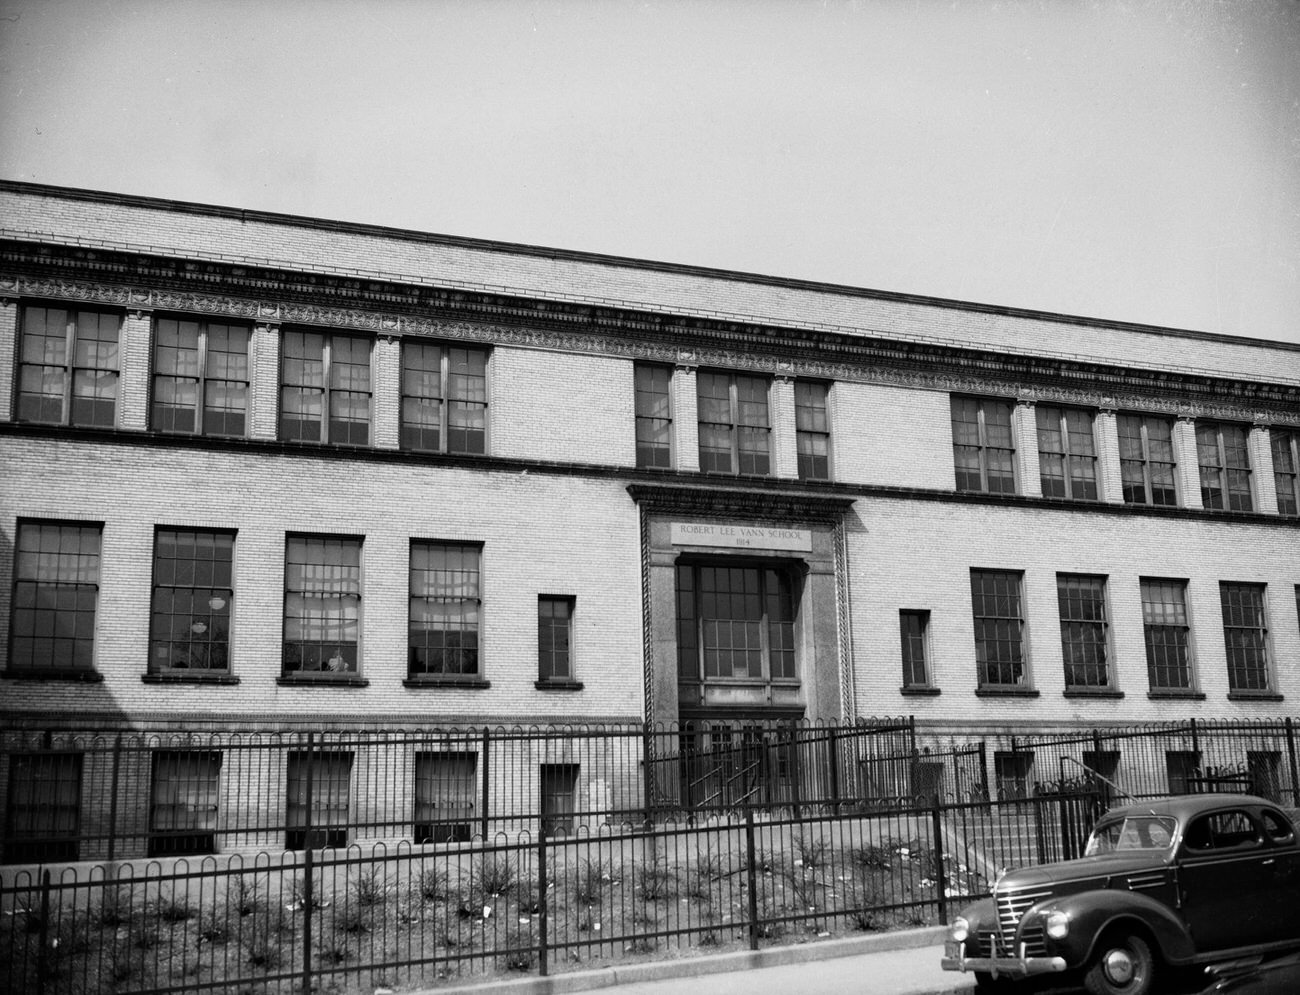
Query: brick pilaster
{"type": "Point", "coordinates": [8, 352]}
{"type": "Point", "coordinates": [1024, 427]}
{"type": "Point", "coordinates": [785, 456]}
{"type": "Point", "coordinates": [264, 386]}
{"type": "Point", "coordinates": [133, 370]}
{"type": "Point", "coordinates": [686, 425]}
{"type": "Point", "coordinates": [385, 375]}
{"type": "Point", "coordinates": [1189, 467]}
{"type": "Point", "coordinates": [1110, 481]}
{"type": "Point", "coordinates": [1264, 484]}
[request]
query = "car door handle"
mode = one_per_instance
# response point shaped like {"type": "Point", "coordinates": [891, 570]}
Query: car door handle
{"type": "Point", "coordinates": [1269, 861]}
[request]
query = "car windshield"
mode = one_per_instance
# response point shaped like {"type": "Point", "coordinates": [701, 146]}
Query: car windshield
{"type": "Point", "coordinates": [1136, 832]}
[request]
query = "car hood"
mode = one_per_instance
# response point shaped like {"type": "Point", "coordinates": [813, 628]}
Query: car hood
{"type": "Point", "coordinates": [1084, 868]}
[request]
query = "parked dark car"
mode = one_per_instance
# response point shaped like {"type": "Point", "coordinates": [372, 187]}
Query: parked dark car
{"type": "Point", "coordinates": [1279, 976]}
{"type": "Point", "coordinates": [1172, 882]}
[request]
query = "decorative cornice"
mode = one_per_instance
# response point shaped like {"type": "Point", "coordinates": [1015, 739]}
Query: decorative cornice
{"type": "Point", "coordinates": [764, 505]}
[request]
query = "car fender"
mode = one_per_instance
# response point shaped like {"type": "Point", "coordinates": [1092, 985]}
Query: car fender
{"type": "Point", "coordinates": [1093, 912]}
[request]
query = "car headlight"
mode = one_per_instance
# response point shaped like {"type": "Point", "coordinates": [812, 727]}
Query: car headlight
{"type": "Point", "coordinates": [1058, 925]}
{"type": "Point", "coordinates": [959, 930]}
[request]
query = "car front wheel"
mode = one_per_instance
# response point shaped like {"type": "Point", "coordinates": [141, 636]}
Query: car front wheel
{"type": "Point", "coordinates": [1122, 965]}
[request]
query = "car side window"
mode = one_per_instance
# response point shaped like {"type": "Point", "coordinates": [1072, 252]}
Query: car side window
{"type": "Point", "coordinates": [1278, 828]}
{"type": "Point", "coordinates": [1222, 831]}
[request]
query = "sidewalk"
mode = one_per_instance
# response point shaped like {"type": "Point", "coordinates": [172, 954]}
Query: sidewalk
{"type": "Point", "coordinates": [905, 962]}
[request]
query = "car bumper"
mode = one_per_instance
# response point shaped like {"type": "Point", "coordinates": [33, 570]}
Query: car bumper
{"type": "Point", "coordinates": [955, 959]}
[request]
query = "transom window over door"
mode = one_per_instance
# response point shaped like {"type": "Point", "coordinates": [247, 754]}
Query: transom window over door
{"type": "Point", "coordinates": [68, 367]}
{"type": "Point", "coordinates": [444, 398]}
{"type": "Point", "coordinates": [735, 623]}
{"type": "Point", "coordinates": [983, 449]}
{"type": "Point", "coordinates": [1224, 461]}
{"type": "Point", "coordinates": [200, 383]}
{"type": "Point", "coordinates": [325, 388]}
{"type": "Point", "coordinates": [733, 423]}
{"type": "Point", "coordinates": [1067, 453]}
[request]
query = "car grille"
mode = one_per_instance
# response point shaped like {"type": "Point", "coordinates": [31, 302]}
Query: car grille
{"type": "Point", "coordinates": [1011, 909]}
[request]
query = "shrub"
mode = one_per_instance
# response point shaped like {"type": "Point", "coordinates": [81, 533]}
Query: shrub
{"type": "Point", "coordinates": [495, 875]}
{"type": "Point", "coordinates": [432, 884]}
{"type": "Point", "coordinates": [174, 911]}
{"type": "Point", "coordinates": [654, 881]}
{"type": "Point", "coordinates": [370, 888]}
{"type": "Point", "coordinates": [262, 953]}
{"type": "Point", "coordinates": [588, 882]}
{"type": "Point", "coordinates": [871, 855]}
{"type": "Point", "coordinates": [812, 851]}
{"type": "Point", "coordinates": [242, 898]}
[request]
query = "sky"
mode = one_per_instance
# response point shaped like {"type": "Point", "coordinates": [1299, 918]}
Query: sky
{"type": "Point", "coordinates": [1116, 159]}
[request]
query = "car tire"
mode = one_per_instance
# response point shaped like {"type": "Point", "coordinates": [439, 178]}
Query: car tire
{"type": "Point", "coordinates": [1122, 964]}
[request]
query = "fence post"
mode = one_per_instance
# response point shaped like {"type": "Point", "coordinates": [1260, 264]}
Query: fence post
{"type": "Point", "coordinates": [984, 772]}
{"type": "Point", "coordinates": [647, 750]}
{"type": "Point", "coordinates": [308, 900]}
{"type": "Point", "coordinates": [1196, 743]}
{"type": "Point", "coordinates": [753, 879]}
{"type": "Point", "coordinates": [487, 777]}
{"type": "Point", "coordinates": [1290, 750]}
{"type": "Point", "coordinates": [796, 775]}
{"type": "Point", "coordinates": [43, 951]}
{"type": "Point", "coordinates": [112, 797]}
{"type": "Point", "coordinates": [940, 872]}
{"type": "Point", "coordinates": [833, 749]}
{"type": "Point", "coordinates": [541, 899]}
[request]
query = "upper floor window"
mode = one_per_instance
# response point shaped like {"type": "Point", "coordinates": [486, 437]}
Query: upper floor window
{"type": "Point", "coordinates": [734, 426]}
{"type": "Point", "coordinates": [914, 629]}
{"type": "Point", "coordinates": [325, 388]}
{"type": "Point", "coordinates": [1245, 636]}
{"type": "Point", "coordinates": [322, 606]}
{"type": "Point", "coordinates": [1067, 453]}
{"type": "Point", "coordinates": [1146, 459]}
{"type": "Point", "coordinates": [444, 398]}
{"type": "Point", "coordinates": [654, 416]}
{"type": "Point", "coordinates": [445, 611]}
{"type": "Point", "coordinates": [1081, 601]}
{"type": "Point", "coordinates": [68, 367]}
{"type": "Point", "coordinates": [1224, 459]}
{"type": "Point", "coordinates": [983, 446]}
{"type": "Point", "coordinates": [998, 607]}
{"type": "Point", "coordinates": [1168, 634]}
{"type": "Point", "coordinates": [200, 382]}
{"type": "Point", "coordinates": [56, 587]}
{"type": "Point", "coordinates": [812, 430]}
{"type": "Point", "coordinates": [1286, 469]}
{"type": "Point", "coordinates": [555, 638]}
{"type": "Point", "coordinates": [193, 589]}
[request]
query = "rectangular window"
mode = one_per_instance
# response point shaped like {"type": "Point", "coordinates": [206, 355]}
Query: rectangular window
{"type": "Point", "coordinates": [1168, 634]}
{"type": "Point", "coordinates": [1013, 771]}
{"type": "Point", "coordinates": [325, 388]}
{"type": "Point", "coordinates": [914, 628]}
{"type": "Point", "coordinates": [68, 367]}
{"type": "Point", "coordinates": [1182, 770]}
{"type": "Point", "coordinates": [1084, 639]}
{"type": "Point", "coordinates": [43, 814]}
{"type": "Point", "coordinates": [559, 798]}
{"type": "Point", "coordinates": [654, 416]}
{"type": "Point", "coordinates": [733, 423]}
{"type": "Point", "coordinates": [983, 447]}
{"type": "Point", "coordinates": [735, 623]}
{"type": "Point", "coordinates": [1067, 453]}
{"type": "Point", "coordinates": [444, 398]}
{"type": "Point", "coordinates": [200, 383]}
{"type": "Point", "coordinates": [322, 606]}
{"type": "Point", "coordinates": [183, 802]}
{"type": "Point", "coordinates": [56, 587]}
{"type": "Point", "coordinates": [812, 430]}
{"type": "Point", "coordinates": [1146, 459]}
{"type": "Point", "coordinates": [446, 787]}
{"type": "Point", "coordinates": [1286, 469]}
{"type": "Point", "coordinates": [999, 628]}
{"type": "Point", "coordinates": [318, 811]}
{"type": "Point", "coordinates": [193, 591]}
{"type": "Point", "coordinates": [1224, 460]}
{"type": "Point", "coordinates": [445, 611]}
{"type": "Point", "coordinates": [554, 638]}
{"type": "Point", "coordinates": [1245, 634]}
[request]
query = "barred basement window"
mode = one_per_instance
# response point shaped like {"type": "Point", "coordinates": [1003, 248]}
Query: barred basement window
{"type": "Point", "coordinates": [1067, 453]}
{"type": "Point", "coordinates": [654, 416]}
{"type": "Point", "coordinates": [200, 383]}
{"type": "Point", "coordinates": [183, 802]}
{"type": "Point", "coordinates": [444, 398]}
{"type": "Point", "coordinates": [68, 367]}
{"type": "Point", "coordinates": [322, 606]}
{"type": "Point", "coordinates": [192, 599]}
{"type": "Point", "coordinates": [1167, 634]}
{"type": "Point", "coordinates": [914, 628]}
{"type": "Point", "coordinates": [554, 638]}
{"type": "Point", "coordinates": [1286, 470]}
{"type": "Point", "coordinates": [446, 788]}
{"type": "Point", "coordinates": [1082, 604]}
{"type": "Point", "coordinates": [1245, 635]}
{"type": "Point", "coordinates": [1182, 771]}
{"type": "Point", "coordinates": [43, 810]}
{"type": "Point", "coordinates": [1146, 459]}
{"type": "Point", "coordinates": [325, 388]}
{"type": "Point", "coordinates": [983, 447]}
{"type": "Point", "coordinates": [56, 587]}
{"type": "Point", "coordinates": [1013, 770]}
{"type": "Point", "coordinates": [559, 798]}
{"type": "Point", "coordinates": [445, 611]}
{"type": "Point", "coordinates": [812, 430]}
{"type": "Point", "coordinates": [319, 797]}
{"type": "Point", "coordinates": [998, 608]}
{"type": "Point", "coordinates": [733, 424]}
{"type": "Point", "coordinates": [1224, 461]}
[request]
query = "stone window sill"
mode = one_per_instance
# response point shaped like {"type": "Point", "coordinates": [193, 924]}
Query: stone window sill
{"type": "Point", "coordinates": [85, 676]}
{"type": "Point", "coordinates": [919, 691]}
{"type": "Point", "coordinates": [347, 681]}
{"type": "Point", "coordinates": [1092, 693]}
{"type": "Point", "coordinates": [558, 685]}
{"type": "Point", "coordinates": [1176, 694]}
{"type": "Point", "coordinates": [473, 683]}
{"type": "Point", "coordinates": [1254, 696]}
{"type": "Point", "coordinates": [191, 678]}
{"type": "Point", "coordinates": [1007, 692]}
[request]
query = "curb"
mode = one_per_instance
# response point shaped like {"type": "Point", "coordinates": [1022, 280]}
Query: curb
{"type": "Point", "coordinates": [693, 967]}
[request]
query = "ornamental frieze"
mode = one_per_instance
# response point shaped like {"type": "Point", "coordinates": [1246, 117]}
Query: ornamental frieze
{"type": "Point", "coordinates": [1169, 397]}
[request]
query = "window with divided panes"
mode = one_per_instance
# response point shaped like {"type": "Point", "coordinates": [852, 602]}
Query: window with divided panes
{"type": "Point", "coordinates": [554, 638]}
{"type": "Point", "coordinates": [43, 808]}
{"type": "Point", "coordinates": [812, 430]}
{"type": "Point", "coordinates": [734, 428]}
{"type": "Point", "coordinates": [735, 623]}
{"type": "Point", "coordinates": [1081, 601]}
{"type": "Point", "coordinates": [914, 629]}
{"type": "Point", "coordinates": [1067, 453]}
{"type": "Point", "coordinates": [322, 606]}
{"type": "Point", "coordinates": [445, 611]}
{"type": "Point", "coordinates": [68, 366]}
{"type": "Point", "coordinates": [983, 446]}
{"type": "Point", "coordinates": [654, 416]}
{"type": "Point", "coordinates": [1167, 633]}
{"type": "Point", "coordinates": [183, 802]}
{"type": "Point", "coordinates": [998, 609]}
{"type": "Point", "coordinates": [56, 589]}
{"type": "Point", "coordinates": [324, 388]}
{"type": "Point", "coordinates": [444, 398]}
{"type": "Point", "coordinates": [1146, 459]}
{"type": "Point", "coordinates": [1224, 458]}
{"type": "Point", "coordinates": [1285, 445]}
{"type": "Point", "coordinates": [446, 792]}
{"type": "Point", "coordinates": [200, 382]}
{"type": "Point", "coordinates": [1245, 635]}
{"type": "Point", "coordinates": [319, 803]}
{"type": "Point", "coordinates": [193, 595]}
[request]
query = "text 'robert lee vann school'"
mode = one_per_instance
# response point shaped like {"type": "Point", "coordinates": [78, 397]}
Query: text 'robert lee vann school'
{"type": "Point", "coordinates": [271, 473]}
